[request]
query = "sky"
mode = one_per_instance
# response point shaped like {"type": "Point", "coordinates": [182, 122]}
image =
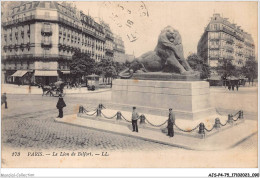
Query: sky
{"type": "Point", "coordinates": [140, 31]}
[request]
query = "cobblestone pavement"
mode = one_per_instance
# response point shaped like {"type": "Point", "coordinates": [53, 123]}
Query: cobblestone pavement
{"type": "Point", "coordinates": [29, 123]}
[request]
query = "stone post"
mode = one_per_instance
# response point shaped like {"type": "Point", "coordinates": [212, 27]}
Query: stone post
{"type": "Point", "coordinates": [142, 119]}
{"type": "Point", "coordinates": [230, 119]}
{"type": "Point", "coordinates": [217, 123]}
{"type": "Point", "coordinates": [80, 109]}
{"type": "Point", "coordinates": [118, 116]}
{"type": "Point", "coordinates": [98, 112]}
{"type": "Point", "coordinates": [202, 130]}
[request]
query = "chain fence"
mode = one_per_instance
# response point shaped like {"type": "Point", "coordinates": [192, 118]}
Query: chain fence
{"type": "Point", "coordinates": [112, 117]}
{"type": "Point", "coordinates": [187, 130]}
{"type": "Point", "coordinates": [85, 111]}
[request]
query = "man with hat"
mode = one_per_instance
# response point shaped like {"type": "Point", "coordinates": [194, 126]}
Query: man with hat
{"type": "Point", "coordinates": [135, 117]}
{"type": "Point", "coordinates": [171, 122]}
{"type": "Point", "coordinates": [4, 100]}
{"type": "Point", "coordinates": [60, 105]}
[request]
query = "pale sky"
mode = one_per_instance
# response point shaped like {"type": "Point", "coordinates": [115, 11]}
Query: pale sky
{"type": "Point", "coordinates": [189, 18]}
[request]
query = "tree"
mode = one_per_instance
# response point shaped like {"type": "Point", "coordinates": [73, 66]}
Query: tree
{"type": "Point", "coordinates": [250, 69]}
{"type": "Point", "coordinates": [106, 68]}
{"type": "Point", "coordinates": [82, 64]}
{"type": "Point", "coordinates": [197, 64]}
{"type": "Point", "coordinates": [226, 69]}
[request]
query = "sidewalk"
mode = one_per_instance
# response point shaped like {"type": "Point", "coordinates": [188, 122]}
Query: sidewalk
{"type": "Point", "coordinates": [228, 136]}
{"type": "Point", "coordinates": [24, 89]}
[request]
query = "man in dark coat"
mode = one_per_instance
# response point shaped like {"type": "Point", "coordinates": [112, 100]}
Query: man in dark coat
{"type": "Point", "coordinates": [60, 105]}
{"type": "Point", "coordinates": [4, 100]}
{"type": "Point", "coordinates": [171, 122]}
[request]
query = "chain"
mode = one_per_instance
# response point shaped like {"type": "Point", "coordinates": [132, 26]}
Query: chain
{"type": "Point", "coordinates": [159, 125]}
{"type": "Point", "coordinates": [236, 119]}
{"type": "Point", "coordinates": [210, 129]}
{"type": "Point", "coordinates": [90, 114]}
{"type": "Point", "coordinates": [125, 119]}
{"type": "Point", "coordinates": [84, 109]}
{"type": "Point", "coordinates": [108, 117]}
{"type": "Point", "coordinates": [223, 124]}
{"type": "Point", "coordinates": [236, 113]}
{"type": "Point", "coordinates": [187, 130]}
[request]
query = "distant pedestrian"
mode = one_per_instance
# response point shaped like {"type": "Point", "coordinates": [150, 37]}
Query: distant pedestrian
{"type": "Point", "coordinates": [30, 87]}
{"type": "Point", "coordinates": [60, 105]}
{"type": "Point", "coordinates": [233, 87]}
{"type": "Point", "coordinates": [237, 87]}
{"type": "Point", "coordinates": [135, 117]}
{"type": "Point", "coordinates": [229, 86]}
{"type": "Point", "coordinates": [4, 100]}
{"type": "Point", "coordinates": [171, 122]}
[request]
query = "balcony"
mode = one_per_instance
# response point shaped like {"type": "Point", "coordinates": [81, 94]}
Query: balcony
{"type": "Point", "coordinates": [46, 44]}
{"type": "Point", "coordinates": [46, 31]}
{"type": "Point", "coordinates": [17, 21]}
{"type": "Point", "coordinates": [66, 22]}
{"type": "Point", "coordinates": [229, 57]}
{"type": "Point", "coordinates": [229, 40]}
{"type": "Point", "coordinates": [110, 51]}
{"type": "Point", "coordinates": [229, 49]}
{"type": "Point", "coordinates": [88, 31]}
{"type": "Point", "coordinates": [108, 36]}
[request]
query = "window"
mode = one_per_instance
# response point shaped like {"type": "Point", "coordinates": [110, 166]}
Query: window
{"type": "Point", "coordinates": [47, 5]}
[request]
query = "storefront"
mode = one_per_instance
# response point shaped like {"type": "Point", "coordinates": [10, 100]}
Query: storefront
{"type": "Point", "coordinates": [45, 77]}
{"type": "Point", "coordinates": [65, 76]}
{"type": "Point", "coordinates": [22, 77]}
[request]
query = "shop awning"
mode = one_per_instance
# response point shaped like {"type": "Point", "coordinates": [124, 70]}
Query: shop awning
{"type": "Point", "coordinates": [47, 73]}
{"type": "Point", "coordinates": [19, 73]}
{"type": "Point", "coordinates": [65, 72]}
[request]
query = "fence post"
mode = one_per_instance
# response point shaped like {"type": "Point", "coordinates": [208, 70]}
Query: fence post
{"type": "Point", "coordinates": [118, 116]}
{"type": "Point", "coordinates": [202, 130]}
{"type": "Point", "coordinates": [241, 114]}
{"type": "Point", "coordinates": [142, 119]}
{"type": "Point", "coordinates": [230, 119]}
{"type": "Point", "coordinates": [81, 109]}
{"type": "Point", "coordinates": [217, 124]}
{"type": "Point", "coordinates": [98, 112]}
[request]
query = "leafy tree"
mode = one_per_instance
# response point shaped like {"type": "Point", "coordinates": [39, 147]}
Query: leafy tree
{"type": "Point", "coordinates": [106, 68]}
{"type": "Point", "coordinates": [82, 64]}
{"type": "Point", "coordinates": [226, 68]}
{"type": "Point", "coordinates": [198, 64]}
{"type": "Point", "coordinates": [250, 69]}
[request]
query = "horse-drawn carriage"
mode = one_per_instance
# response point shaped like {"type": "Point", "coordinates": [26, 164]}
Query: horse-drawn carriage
{"type": "Point", "coordinates": [53, 90]}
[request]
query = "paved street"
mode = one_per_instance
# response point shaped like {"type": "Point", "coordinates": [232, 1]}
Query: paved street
{"type": "Point", "coordinates": [29, 121]}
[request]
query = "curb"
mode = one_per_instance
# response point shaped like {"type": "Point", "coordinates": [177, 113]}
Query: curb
{"type": "Point", "coordinates": [128, 135]}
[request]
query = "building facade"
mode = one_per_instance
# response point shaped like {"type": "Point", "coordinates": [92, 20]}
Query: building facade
{"type": "Point", "coordinates": [39, 39]}
{"type": "Point", "coordinates": [224, 40]}
{"type": "Point", "coordinates": [119, 49]}
{"type": "Point", "coordinates": [109, 43]}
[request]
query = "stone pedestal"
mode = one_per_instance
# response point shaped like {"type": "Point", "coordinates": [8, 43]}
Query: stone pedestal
{"type": "Point", "coordinates": [189, 99]}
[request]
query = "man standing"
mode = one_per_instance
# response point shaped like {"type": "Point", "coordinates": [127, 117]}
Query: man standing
{"type": "Point", "coordinates": [60, 105]}
{"type": "Point", "coordinates": [135, 117]}
{"type": "Point", "coordinates": [4, 100]}
{"type": "Point", "coordinates": [171, 122]}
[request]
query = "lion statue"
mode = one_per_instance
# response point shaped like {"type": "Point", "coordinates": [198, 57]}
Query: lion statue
{"type": "Point", "coordinates": [167, 56]}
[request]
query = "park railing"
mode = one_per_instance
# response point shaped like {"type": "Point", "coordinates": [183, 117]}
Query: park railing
{"type": "Point", "coordinates": [200, 128]}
